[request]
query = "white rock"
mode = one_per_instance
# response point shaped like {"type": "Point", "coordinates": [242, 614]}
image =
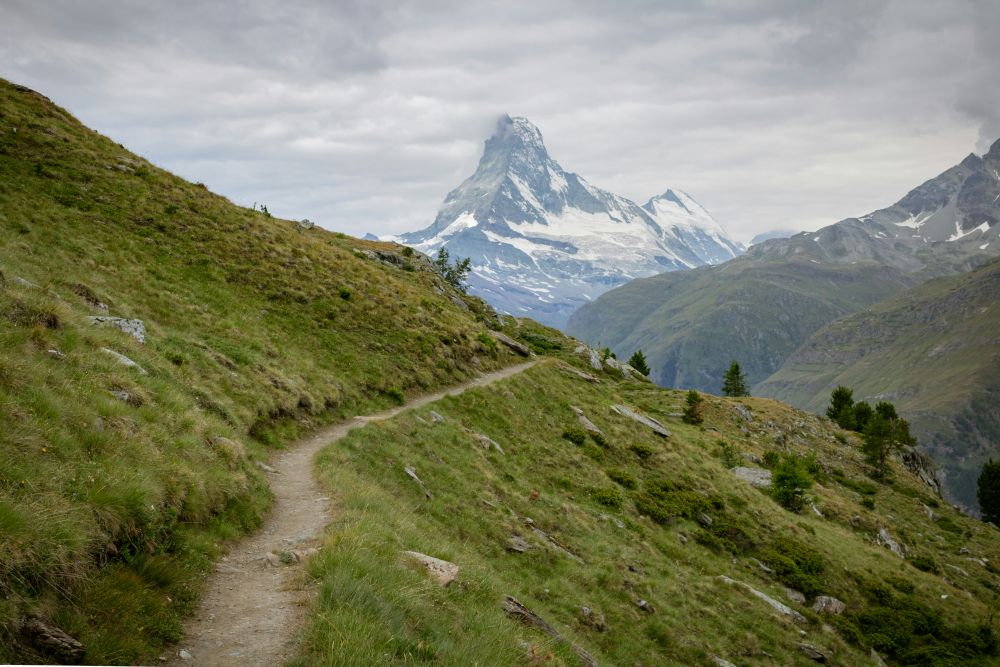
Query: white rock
{"type": "Point", "coordinates": [657, 427]}
{"type": "Point", "coordinates": [774, 604]}
{"type": "Point", "coordinates": [184, 655]}
{"type": "Point", "coordinates": [442, 571]}
{"type": "Point", "coordinates": [124, 361]}
{"type": "Point", "coordinates": [759, 478]}
{"type": "Point", "coordinates": [134, 328]}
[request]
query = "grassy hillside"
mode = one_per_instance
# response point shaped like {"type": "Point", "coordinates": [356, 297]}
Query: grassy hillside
{"type": "Point", "coordinates": [933, 351]}
{"type": "Point", "coordinates": [618, 542]}
{"type": "Point", "coordinates": [691, 324]}
{"type": "Point", "coordinates": [119, 484]}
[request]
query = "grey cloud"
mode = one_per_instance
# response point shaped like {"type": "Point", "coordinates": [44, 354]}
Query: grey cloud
{"type": "Point", "coordinates": [363, 115]}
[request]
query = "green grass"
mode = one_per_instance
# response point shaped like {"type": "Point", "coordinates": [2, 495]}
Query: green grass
{"type": "Point", "coordinates": [653, 546]}
{"type": "Point", "coordinates": [111, 510]}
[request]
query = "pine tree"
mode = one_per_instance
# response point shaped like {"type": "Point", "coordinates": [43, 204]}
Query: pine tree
{"type": "Point", "coordinates": [885, 434]}
{"type": "Point", "coordinates": [455, 274]}
{"type": "Point", "coordinates": [692, 413]}
{"type": "Point", "coordinates": [735, 383]}
{"type": "Point", "coordinates": [841, 408]}
{"type": "Point", "coordinates": [988, 491]}
{"type": "Point", "coordinates": [638, 362]}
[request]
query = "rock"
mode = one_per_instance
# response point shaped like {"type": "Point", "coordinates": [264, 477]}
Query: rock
{"type": "Point", "coordinates": [774, 604]}
{"type": "Point", "coordinates": [124, 361]}
{"type": "Point", "coordinates": [594, 619]}
{"type": "Point", "coordinates": [752, 458]}
{"type": "Point", "coordinates": [886, 540]}
{"type": "Point", "coordinates": [759, 478]}
{"type": "Point", "coordinates": [658, 428]}
{"type": "Point", "coordinates": [134, 328]}
{"type": "Point", "coordinates": [812, 652]}
{"type": "Point", "coordinates": [644, 606]}
{"type": "Point", "coordinates": [280, 558]}
{"type": "Point", "coordinates": [56, 354]}
{"type": "Point", "coordinates": [266, 468]}
{"type": "Point", "coordinates": [517, 347]}
{"type": "Point", "coordinates": [816, 510]}
{"type": "Point", "coordinates": [121, 395]}
{"type": "Point", "coordinates": [765, 568]}
{"type": "Point", "coordinates": [488, 442]}
{"type": "Point", "coordinates": [876, 658]}
{"type": "Point", "coordinates": [794, 595]}
{"type": "Point", "coordinates": [595, 359]}
{"type": "Point", "coordinates": [551, 541]}
{"type": "Point", "coordinates": [722, 662]}
{"type": "Point", "coordinates": [440, 570]}
{"type": "Point", "coordinates": [964, 551]}
{"type": "Point", "coordinates": [587, 425]}
{"type": "Point", "coordinates": [519, 612]}
{"type": "Point", "coordinates": [825, 604]}
{"type": "Point", "coordinates": [304, 224]}
{"type": "Point", "coordinates": [580, 374]}
{"type": "Point", "coordinates": [50, 640]}
{"type": "Point", "coordinates": [705, 520]}
{"type": "Point", "coordinates": [921, 466]}
{"type": "Point", "coordinates": [18, 280]}
{"type": "Point", "coordinates": [517, 544]}
{"type": "Point", "coordinates": [412, 473]}
{"type": "Point", "coordinates": [743, 412]}
{"type": "Point", "coordinates": [436, 417]}
{"type": "Point", "coordinates": [184, 655]}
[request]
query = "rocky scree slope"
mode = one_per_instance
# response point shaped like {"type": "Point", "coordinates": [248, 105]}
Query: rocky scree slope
{"type": "Point", "coordinates": [760, 307]}
{"type": "Point", "coordinates": [543, 240]}
{"type": "Point", "coordinates": [933, 351]}
{"type": "Point", "coordinates": [128, 447]}
{"type": "Point", "coordinates": [570, 531]}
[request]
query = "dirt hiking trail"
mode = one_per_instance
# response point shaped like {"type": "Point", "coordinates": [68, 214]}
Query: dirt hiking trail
{"type": "Point", "coordinates": [254, 605]}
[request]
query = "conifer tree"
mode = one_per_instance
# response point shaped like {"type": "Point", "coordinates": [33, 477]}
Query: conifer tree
{"type": "Point", "coordinates": [735, 383]}
{"type": "Point", "coordinates": [841, 409]}
{"type": "Point", "coordinates": [692, 413]}
{"type": "Point", "coordinates": [988, 491]}
{"type": "Point", "coordinates": [638, 362]}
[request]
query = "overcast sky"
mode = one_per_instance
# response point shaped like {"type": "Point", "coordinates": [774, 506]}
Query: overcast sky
{"type": "Point", "coordinates": [363, 115]}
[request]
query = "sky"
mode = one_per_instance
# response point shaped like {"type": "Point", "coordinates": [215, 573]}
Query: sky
{"type": "Point", "coordinates": [362, 115]}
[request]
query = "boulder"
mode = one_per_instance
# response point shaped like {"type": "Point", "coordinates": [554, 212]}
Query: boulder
{"type": "Point", "coordinates": [517, 544]}
{"type": "Point", "coordinates": [124, 361]}
{"type": "Point", "coordinates": [759, 478]}
{"type": "Point", "coordinates": [513, 608]}
{"type": "Point", "coordinates": [825, 604]}
{"type": "Point", "coordinates": [594, 619]}
{"type": "Point", "coordinates": [436, 417]}
{"type": "Point", "coordinates": [511, 343]}
{"type": "Point", "coordinates": [743, 412]}
{"type": "Point", "coordinates": [889, 542]}
{"type": "Point", "coordinates": [488, 442]}
{"type": "Point", "coordinates": [595, 359]}
{"type": "Point", "coordinates": [812, 652]}
{"type": "Point", "coordinates": [412, 474]}
{"type": "Point", "coordinates": [18, 280]}
{"type": "Point", "coordinates": [134, 328]}
{"type": "Point", "coordinates": [587, 425]}
{"type": "Point", "coordinates": [658, 428]}
{"type": "Point", "coordinates": [52, 641]}
{"type": "Point", "coordinates": [794, 595]}
{"type": "Point", "coordinates": [921, 465]}
{"type": "Point", "coordinates": [781, 608]}
{"type": "Point", "coordinates": [304, 224]}
{"type": "Point", "coordinates": [441, 571]}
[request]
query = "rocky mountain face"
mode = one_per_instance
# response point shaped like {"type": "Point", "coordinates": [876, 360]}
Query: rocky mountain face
{"type": "Point", "coordinates": [760, 307]}
{"type": "Point", "coordinates": [543, 240]}
{"type": "Point", "coordinates": [934, 351]}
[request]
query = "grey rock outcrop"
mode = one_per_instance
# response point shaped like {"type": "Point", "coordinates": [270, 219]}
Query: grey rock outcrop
{"type": "Point", "coordinates": [825, 604]}
{"type": "Point", "coordinates": [124, 361]}
{"type": "Point", "coordinates": [886, 540]}
{"type": "Point", "coordinates": [134, 328]}
{"type": "Point", "coordinates": [759, 478]}
{"type": "Point", "coordinates": [442, 571]}
{"type": "Point", "coordinates": [658, 428]}
{"type": "Point", "coordinates": [779, 607]}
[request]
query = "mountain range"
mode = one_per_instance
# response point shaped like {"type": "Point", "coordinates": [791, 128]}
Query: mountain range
{"type": "Point", "coordinates": [544, 241]}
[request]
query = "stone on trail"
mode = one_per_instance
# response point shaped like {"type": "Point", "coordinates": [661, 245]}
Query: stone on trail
{"type": "Point", "coordinates": [266, 468]}
{"type": "Point", "coordinates": [184, 655]}
{"type": "Point", "coordinates": [441, 571]}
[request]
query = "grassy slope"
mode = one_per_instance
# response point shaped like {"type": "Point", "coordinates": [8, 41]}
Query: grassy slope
{"type": "Point", "coordinates": [931, 350]}
{"type": "Point", "coordinates": [374, 608]}
{"type": "Point", "coordinates": [758, 310]}
{"type": "Point", "coordinates": [111, 511]}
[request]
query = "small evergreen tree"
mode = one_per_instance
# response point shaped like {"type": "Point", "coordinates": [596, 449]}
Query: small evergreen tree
{"type": "Point", "coordinates": [841, 409]}
{"type": "Point", "coordinates": [884, 435]}
{"type": "Point", "coordinates": [638, 362]}
{"type": "Point", "coordinates": [789, 482]}
{"type": "Point", "coordinates": [692, 413]}
{"type": "Point", "coordinates": [454, 274]}
{"type": "Point", "coordinates": [862, 413]}
{"type": "Point", "coordinates": [988, 491]}
{"type": "Point", "coordinates": [735, 382]}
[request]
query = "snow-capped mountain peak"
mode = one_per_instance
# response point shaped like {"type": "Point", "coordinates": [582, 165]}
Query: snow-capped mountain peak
{"type": "Point", "coordinates": [543, 240]}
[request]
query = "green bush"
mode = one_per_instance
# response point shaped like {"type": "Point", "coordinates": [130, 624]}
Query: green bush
{"type": "Point", "coordinates": [575, 435]}
{"type": "Point", "coordinates": [789, 482]}
{"type": "Point", "coordinates": [924, 563]}
{"type": "Point", "coordinates": [541, 344]}
{"type": "Point", "coordinates": [796, 565]}
{"type": "Point", "coordinates": [730, 454]}
{"type": "Point", "coordinates": [345, 293]}
{"type": "Point", "coordinates": [599, 440]}
{"type": "Point", "coordinates": [693, 411]}
{"type": "Point", "coordinates": [771, 458]}
{"type": "Point", "coordinates": [663, 501]}
{"type": "Point", "coordinates": [642, 450]}
{"type": "Point", "coordinates": [609, 497]}
{"type": "Point", "coordinates": [868, 503]}
{"type": "Point", "coordinates": [623, 478]}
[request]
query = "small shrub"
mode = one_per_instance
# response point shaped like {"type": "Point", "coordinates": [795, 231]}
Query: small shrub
{"type": "Point", "coordinates": [609, 497]}
{"type": "Point", "coordinates": [771, 458]}
{"type": "Point", "coordinates": [540, 344]}
{"type": "Point", "coordinates": [900, 584]}
{"type": "Point", "coordinates": [407, 251]}
{"type": "Point", "coordinates": [868, 503]}
{"type": "Point", "coordinates": [486, 341]}
{"type": "Point", "coordinates": [730, 455]}
{"type": "Point", "coordinates": [924, 563]}
{"type": "Point", "coordinates": [790, 482]}
{"type": "Point", "coordinates": [642, 450]}
{"type": "Point", "coordinates": [575, 435]}
{"type": "Point", "coordinates": [396, 394]}
{"type": "Point", "coordinates": [693, 413]}
{"type": "Point", "coordinates": [623, 478]}
{"type": "Point", "coordinates": [662, 501]}
{"type": "Point", "coordinates": [796, 565]}
{"type": "Point", "coordinates": [345, 293]}
{"type": "Point", "coordinates": [599, 440]}
{"type": "Point", "coordinates": [594, 452]}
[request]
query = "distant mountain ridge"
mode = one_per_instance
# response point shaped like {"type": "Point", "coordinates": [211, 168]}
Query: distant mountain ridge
{"type": "Point", "coordinates": [543, 240]}
{"type": "Point", "coordinates": [760, 307]}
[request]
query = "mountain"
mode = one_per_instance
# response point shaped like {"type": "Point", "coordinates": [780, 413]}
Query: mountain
{"type": "Point", "coordinates": [543, 240]}
{"type": "Point", "coordinates": [772, 234]}
{"type": "Point", "coordinates": [934, 351]}
{"type": "Point", "coordinates": [759, 308]}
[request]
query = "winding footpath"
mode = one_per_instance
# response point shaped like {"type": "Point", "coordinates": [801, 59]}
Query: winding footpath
{"type": "Point", "coordinates": [253, 608]}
